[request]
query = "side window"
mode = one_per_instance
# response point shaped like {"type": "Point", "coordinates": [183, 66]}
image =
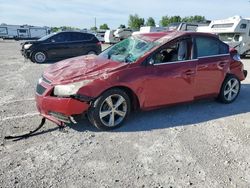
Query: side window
{"type": "Point", "coordinates": [208, 47]}
{"type": "Point", "coordinates": [22, 31]}
{"type": "Point", "coordinates": [61, 37]}
{"type": "Point", "coordinates": [224, 48]}
{"type": "Point", "coordinates": [3, 30]}
{"type": "Point", "coordinates": [174, 52]}
{"type": "Point", "coordinates": [243, 26]}
{"type": "Point", "coordinates": [87, 36]}
{"type": "Point", "coordinates": [76, 37]}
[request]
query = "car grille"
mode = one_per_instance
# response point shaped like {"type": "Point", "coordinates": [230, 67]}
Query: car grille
{"type": "Point", "coordinates": [46, 80]}
{"type": "Point", "coordinates": [40, 89]}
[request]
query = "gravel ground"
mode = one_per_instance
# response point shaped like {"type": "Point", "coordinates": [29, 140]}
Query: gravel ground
{"type": "Point", "coordinates": [203, 144]}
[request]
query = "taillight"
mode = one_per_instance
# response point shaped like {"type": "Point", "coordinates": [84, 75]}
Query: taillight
{"type": "Point", "coordinates": [234, 54]}
{"type": "Point", "coordinates": [236, 57]}
{"type": "Point", "coordinates": [99, 43]}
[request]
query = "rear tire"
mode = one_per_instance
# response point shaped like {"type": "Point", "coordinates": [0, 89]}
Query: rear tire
{"type": "Point", "coordinates": [92, 53]}
{"type": "Point", "coordinates": [230, 89]}
{"type": "Point", "coordinates": [110, 110]}
{"type": "Point", "coordinates": [39, 57]}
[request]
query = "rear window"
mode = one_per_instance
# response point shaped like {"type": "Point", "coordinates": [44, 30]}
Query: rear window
{"type": "Point", "coordinates": [87, 36]}
{"type": "Point", "coordinates": [208, 47]}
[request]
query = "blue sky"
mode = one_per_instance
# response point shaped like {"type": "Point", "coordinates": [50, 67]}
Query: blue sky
{"type": "Point", "coordinates": [81, 13]}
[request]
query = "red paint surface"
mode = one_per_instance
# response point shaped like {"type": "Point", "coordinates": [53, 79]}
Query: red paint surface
{"type": "Point", "coordinates": [153, 86]}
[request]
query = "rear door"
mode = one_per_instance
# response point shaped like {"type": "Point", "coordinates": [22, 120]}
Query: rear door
{"type": "Point", "coordinates": [76, 44]}
{"type": "Point", "coordinates": [89, 44]}
{"type": "Point", "coordinates": [213, 63]}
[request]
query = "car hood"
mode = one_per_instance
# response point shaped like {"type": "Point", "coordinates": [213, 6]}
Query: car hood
{"type": "Point", "coordinates": [78, 68]}
{"type": "Point", "coordinates": [29, 42]}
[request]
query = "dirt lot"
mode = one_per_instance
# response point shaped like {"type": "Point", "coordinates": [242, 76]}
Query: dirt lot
{"type": "Point", "coordinates": [203, 144]}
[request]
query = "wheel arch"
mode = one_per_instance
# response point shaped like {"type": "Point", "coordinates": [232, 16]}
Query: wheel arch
{"type": "Point", "coordinates": [231, 74]}
{"type": "Point", "coordinates": [33, 52]}
{"type": "Point", "coordinates": [135, 104]}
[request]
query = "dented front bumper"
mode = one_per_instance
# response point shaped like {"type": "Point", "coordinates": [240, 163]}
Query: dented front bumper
{"type": "Point", "coordinates": [56, 109]}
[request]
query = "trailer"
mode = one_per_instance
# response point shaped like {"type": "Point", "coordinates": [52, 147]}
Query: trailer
{"type": "Point", "coordinates": [110, 38]}
{"type": "Point", "coordinates": [23, 31]}
{"type": "Point", "coordinates": [149, 29]}
{"type": "Point", "coordinates": [183, 26]}
{"type": "Point", "coordinates": [123, 33]}
{"type": "Point", "coordinates": [235, 31]}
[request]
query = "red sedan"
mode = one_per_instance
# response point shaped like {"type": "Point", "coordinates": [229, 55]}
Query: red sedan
{"type": "Point", "coordinates": [145, 71]}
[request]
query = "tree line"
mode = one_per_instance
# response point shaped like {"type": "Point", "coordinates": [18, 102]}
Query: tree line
{"type": "Point", "coordinates": [135, 22]}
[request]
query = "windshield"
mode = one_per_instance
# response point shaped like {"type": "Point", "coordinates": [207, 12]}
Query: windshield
{"type": "Point", "coordinates": [128, 50]}
{"type": "Point", "coordinates": [229, 37]}
{"type": "Point", "coordinates": [46, 37]}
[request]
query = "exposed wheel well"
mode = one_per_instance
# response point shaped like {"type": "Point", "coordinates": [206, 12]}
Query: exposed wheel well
{"type": "Point", "coordinates": [133, 97]}
{"type": "Point", "coordinates": [229, 74]}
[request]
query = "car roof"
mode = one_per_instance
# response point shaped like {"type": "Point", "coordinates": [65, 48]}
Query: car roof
{"type": "Point", "coordinates": [165, 36]}
{"type": "Point", "coordinates": [75, 32]}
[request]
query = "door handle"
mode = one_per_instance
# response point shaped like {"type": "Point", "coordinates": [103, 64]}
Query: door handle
{"type": "Point", "coordinates": [189, 72]}
{"type": "Point", "coordinates": [222, 64]}
{"type": "Point", "coordinates": [202, 67]}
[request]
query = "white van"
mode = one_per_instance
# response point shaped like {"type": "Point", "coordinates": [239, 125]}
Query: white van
{"type": "Point", "coordinates": [235, 31]}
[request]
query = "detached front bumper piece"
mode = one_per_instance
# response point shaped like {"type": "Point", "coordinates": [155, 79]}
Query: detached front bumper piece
{"type": "Point", "coordinates": [26, 135]}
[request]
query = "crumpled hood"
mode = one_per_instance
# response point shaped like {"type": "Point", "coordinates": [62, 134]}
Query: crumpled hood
{"type": "Point", "coordinates": [78, 68]}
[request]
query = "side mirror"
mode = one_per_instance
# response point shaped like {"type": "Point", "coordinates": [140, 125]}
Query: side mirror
{"type": "Point", "coordinates": [151, 61]}
{"type": "Point", "coordinates": [52, 40]}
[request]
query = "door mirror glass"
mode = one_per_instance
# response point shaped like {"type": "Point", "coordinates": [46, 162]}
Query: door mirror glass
{"type": "Point", "coordinates": [151, 61]}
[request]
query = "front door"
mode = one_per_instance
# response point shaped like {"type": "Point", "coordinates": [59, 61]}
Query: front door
{"type": "Point", "coordinates": [172, 74]}
{"type": "Point", "coordinates": [58, 46]}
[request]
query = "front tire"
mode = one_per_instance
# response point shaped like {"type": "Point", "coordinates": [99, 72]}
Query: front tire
{"type": "Point", "coordinates": [230, 89]}
{"type": "Point", "coordinates": [110, 110]}
{"type": "Point", "coordinates": [39, 57]}
{"type": "Point", "coordinates": [92, 53]}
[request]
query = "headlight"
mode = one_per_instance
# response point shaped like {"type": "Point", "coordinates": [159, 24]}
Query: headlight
{"type": "Point", "coordinates": [27, 46]}
{"type": "Point", "coordinates": [69, 89]}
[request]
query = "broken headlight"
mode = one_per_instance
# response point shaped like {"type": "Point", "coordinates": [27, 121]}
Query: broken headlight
{"type": "Point", "coordinates": [69, 89]}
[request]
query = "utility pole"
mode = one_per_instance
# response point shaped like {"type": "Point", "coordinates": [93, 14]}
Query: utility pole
{"type": "Point", "coordinates": [95, 22]}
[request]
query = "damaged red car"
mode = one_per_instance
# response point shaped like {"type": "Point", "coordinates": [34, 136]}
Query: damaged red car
{"type": "Point", "coordinates": [145, 71]}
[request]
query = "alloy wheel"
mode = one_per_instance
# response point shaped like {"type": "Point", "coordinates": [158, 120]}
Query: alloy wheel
{"type": "Point", "coordinates": [40, 57]}
{"type": "Point", "coordinates": [113, 110]}
{"type": "Point", "coordinates": [231, 89]}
